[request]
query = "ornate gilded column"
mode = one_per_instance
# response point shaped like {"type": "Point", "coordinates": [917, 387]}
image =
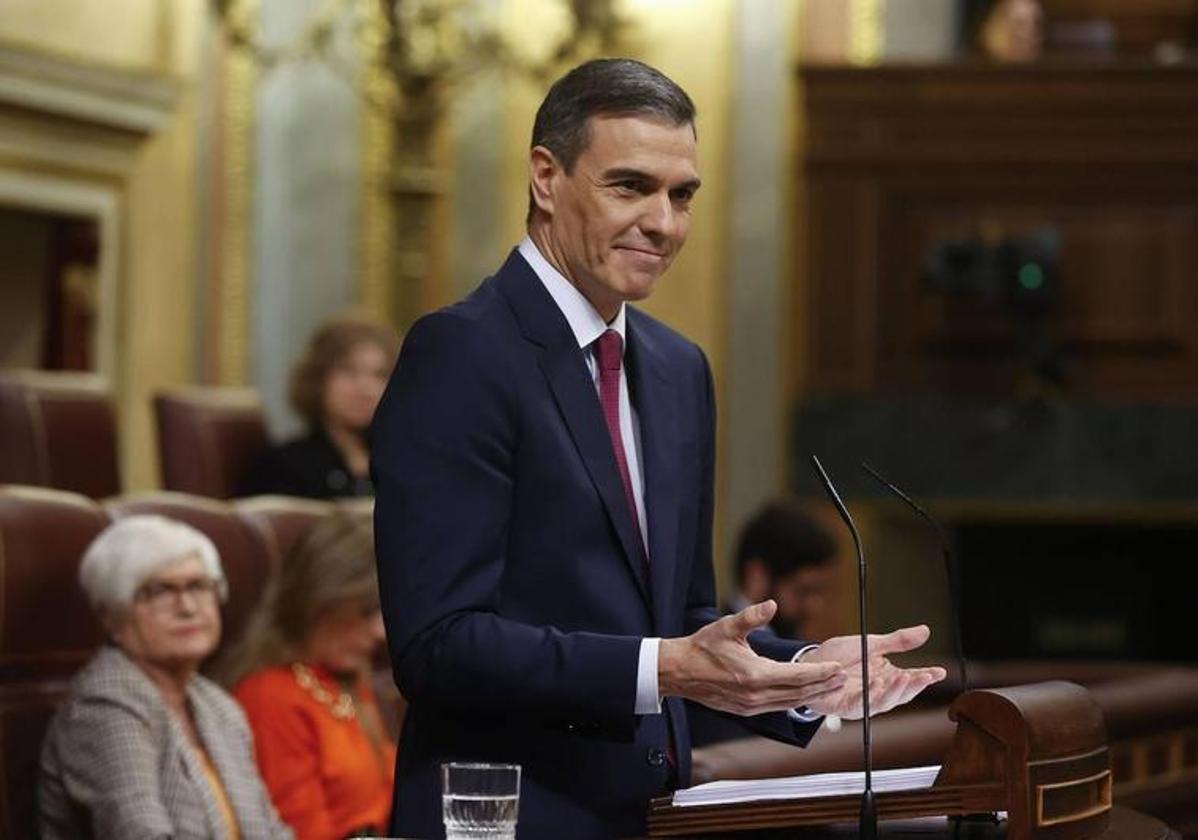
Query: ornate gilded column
{"type": "Point", "coordinates": [417, 185]}
{"type": "Point", "coordinates": [411, 56]}
{"type": "Point", "coordinates": [867, 31]}
{"type": "Point", "coordinates": [378, 222]}
{"type": "Point", "coordinates": [228, 223]}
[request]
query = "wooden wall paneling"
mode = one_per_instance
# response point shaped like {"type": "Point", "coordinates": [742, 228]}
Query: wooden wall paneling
{"type": "Point", "coordinates": [900, 158]}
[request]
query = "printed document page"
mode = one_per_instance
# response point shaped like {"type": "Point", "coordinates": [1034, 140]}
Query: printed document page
{"type": "Point", "coordinates": [806, 787]}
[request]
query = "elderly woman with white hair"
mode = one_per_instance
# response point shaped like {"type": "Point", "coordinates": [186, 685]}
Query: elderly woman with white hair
{"type": "Point", "coordinates": [145, 747]}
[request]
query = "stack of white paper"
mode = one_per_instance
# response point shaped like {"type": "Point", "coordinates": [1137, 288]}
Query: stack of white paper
{"type": "Point", "coordinates": [806, 787]}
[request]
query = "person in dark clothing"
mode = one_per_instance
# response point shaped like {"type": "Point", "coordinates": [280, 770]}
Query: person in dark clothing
{"type": "Point", "coordinates": [785, 554]}
{"type": "Point", "coordinates": [336, 387]}
{"type": "Point", "coordinates": [545, 459]}
{"type": "Point", "coordinates": [782, 553]}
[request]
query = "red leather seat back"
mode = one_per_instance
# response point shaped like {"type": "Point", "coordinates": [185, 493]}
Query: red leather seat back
{"type": "Point", "coordinates": [47, 630]}
{"type": "Point", "coordinates": [58, 429]}
{"type": "Point", "coordinates": [282, 520]}
{"type": "Point", "coordinates": [208, 438]}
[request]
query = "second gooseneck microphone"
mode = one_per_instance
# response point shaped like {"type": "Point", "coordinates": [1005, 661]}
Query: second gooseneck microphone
{"type": "Point", "coordinates": [950, 568]}
{"type": "Point", "coordinates": [868, 825]}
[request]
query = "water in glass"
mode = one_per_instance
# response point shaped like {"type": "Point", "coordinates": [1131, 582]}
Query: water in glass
{"type": "Point", "coordinates": [480, 801]}
{"type": "Point", "coordinates": [479, 816]}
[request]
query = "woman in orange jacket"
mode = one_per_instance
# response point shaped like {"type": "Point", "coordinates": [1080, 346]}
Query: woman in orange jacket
{"type": "Point", "coordinates": [302, 674]}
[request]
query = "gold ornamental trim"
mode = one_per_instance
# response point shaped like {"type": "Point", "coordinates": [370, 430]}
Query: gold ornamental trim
{"type": "Point", "coordinates": [240, 75]}
{"type": "Point", "coordinates": [867, 31]}
{"type": "Point", "coordinates": [376, 208]}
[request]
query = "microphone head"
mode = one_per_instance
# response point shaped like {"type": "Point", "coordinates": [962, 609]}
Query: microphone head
{"type": "Point", "coordinates": [826, 481]}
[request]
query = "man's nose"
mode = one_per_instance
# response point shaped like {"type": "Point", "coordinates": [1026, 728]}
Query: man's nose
{"type": "Point", "coordinates": [659, 218]}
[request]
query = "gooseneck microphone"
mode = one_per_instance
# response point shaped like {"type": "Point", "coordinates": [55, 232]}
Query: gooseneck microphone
{"type": "Point", "coordinates": [950, 568]}
{"type": "Point", "coordinates": [868, 825]}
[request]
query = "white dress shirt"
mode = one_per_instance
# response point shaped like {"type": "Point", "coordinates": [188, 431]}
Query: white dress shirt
{"type": "Point", "coordinates": [587, 325]}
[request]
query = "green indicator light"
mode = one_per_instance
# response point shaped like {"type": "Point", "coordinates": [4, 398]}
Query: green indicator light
{"type": "Point", "coordinates": [1031, 277]}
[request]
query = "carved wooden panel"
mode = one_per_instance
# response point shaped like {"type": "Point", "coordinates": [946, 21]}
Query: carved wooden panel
{"type": "Point", "coordinates": [901, 160]}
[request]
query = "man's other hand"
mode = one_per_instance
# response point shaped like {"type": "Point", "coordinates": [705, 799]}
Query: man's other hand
{"type": "Point", "coordinates": [716, 667]}
{"type": "Point", "coordinates": [889, 685]}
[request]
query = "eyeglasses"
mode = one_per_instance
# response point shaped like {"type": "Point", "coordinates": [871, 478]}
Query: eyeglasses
{"type": "Point", "coordinates": [162, 595]}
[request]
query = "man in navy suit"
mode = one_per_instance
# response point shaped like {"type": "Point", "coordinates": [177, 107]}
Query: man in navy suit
{"type": "Point", "coordinates": [543, 460]}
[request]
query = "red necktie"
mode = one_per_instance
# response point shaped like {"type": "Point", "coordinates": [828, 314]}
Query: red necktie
{"type": "Point", "coordinates": [610, 355]}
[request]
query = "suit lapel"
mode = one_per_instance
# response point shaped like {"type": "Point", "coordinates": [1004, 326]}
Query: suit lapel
{"type": "Point", "coordinates": [653, 396]}
{"type": "Point", "coordinates": [573, 389]}
{"type": "Point", "coordinates": [191, 771]}
{"type": "Point", "coordinates": [220, 744]}
{"type": "Point", "coordinates": [194, 770]}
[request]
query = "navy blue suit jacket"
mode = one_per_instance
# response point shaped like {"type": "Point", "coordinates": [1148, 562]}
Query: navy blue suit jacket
{"type": "Point", "coordinates": [514, 593]}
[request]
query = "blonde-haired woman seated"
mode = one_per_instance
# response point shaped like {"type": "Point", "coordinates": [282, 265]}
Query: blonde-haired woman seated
{"type": "Point", "coordinates": [302, 674]}
{"type": "Point", "coordinates": [144, 746]}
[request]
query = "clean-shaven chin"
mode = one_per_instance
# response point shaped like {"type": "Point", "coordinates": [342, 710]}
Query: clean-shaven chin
{"type": "Point", "coordinates": [643, 260]}
{"type": "Point", "coordinates": [641, 271]}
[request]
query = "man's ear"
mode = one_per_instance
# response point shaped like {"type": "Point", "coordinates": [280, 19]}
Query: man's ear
{"type": "Point", "coordinates": [543, 172]}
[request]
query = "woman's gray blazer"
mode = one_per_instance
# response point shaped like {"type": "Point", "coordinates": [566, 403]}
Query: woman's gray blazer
{"type": "Point", "coordinates": [116, 764]}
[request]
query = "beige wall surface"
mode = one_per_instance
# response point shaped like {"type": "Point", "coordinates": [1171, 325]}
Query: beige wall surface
{"type": "Point", "coordinates": [131, 34]}
{"type": "Point", "coordinates": [155, 324]}
{"type": "Point", "coordinates": [159, 290]}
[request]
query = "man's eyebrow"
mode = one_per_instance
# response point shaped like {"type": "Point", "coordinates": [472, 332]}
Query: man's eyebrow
{"type": "Point", "coordinates": [627, 173]}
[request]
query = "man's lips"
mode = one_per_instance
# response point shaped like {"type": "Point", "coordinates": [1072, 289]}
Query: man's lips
{"type": "Point", "coordinates": [644, 252]}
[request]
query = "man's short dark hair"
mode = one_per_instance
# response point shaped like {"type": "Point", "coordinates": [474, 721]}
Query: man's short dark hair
{"type": "Point", "coordinates": [604, 87]}
{"type": "Point", "coordinates": [784, 537]}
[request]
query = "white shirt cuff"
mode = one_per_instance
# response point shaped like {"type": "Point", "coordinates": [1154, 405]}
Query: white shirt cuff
{"type": "Point", "coordinates": [795, 658]}
{"type": "Point", "coordinates": [648, 701]}
{"type": "Point", "coordinates": [803, 714]}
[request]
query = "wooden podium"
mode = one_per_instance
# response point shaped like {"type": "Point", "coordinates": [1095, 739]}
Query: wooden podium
{"type": "Point", "coordinates": [1036, 751]}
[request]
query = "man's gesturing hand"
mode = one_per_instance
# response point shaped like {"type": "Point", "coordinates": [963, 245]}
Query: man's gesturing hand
{"type": "Point", "coordinates": [889, 685]}
{"type": "Point", "coordinates": [716, 667]}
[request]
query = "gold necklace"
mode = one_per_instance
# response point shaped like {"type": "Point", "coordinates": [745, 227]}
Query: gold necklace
{"type": "Point", "coordinates": [340, 707]}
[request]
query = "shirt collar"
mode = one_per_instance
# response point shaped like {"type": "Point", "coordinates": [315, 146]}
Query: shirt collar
{"type": "Point", "coordinates": [585, 321]}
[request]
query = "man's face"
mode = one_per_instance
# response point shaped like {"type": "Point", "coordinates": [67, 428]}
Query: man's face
{"type": "Point", "coordinates": [616, 222]}
{"type": "Point", "coordinates": [802, 598]}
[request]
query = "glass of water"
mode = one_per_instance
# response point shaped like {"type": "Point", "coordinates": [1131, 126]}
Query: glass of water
{"type": "Point", "coordinates": [479, 801]}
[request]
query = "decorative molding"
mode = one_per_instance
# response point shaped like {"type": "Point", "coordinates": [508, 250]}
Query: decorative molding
{"type": "Point", "coordinates": [377, 221]}
{"type": "Point", "coordinates": [411, 56]}
{"type": "Point", "coordinates": [235, 235]}
{"type": "Point", "coordinates": [91, 93]}
{"type": "Point", "coordinates": [31, 141]}
{"type": "Point", "coordinates": [867, 31]}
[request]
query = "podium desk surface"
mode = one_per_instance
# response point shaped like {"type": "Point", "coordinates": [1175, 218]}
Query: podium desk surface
{"type": "Point", "coordinates": [1126, 824]}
